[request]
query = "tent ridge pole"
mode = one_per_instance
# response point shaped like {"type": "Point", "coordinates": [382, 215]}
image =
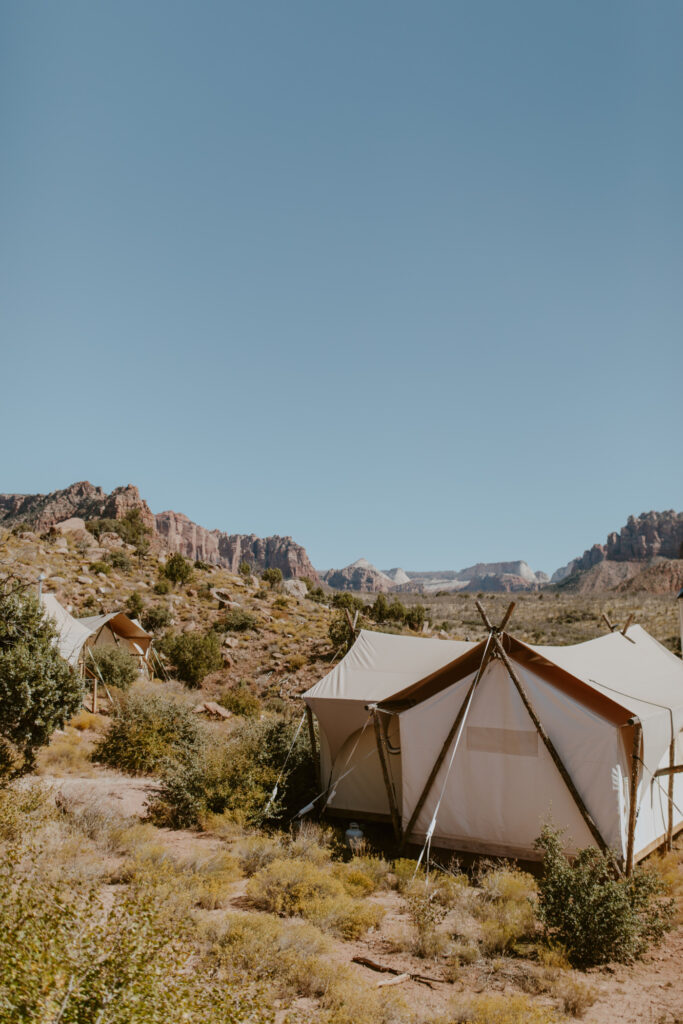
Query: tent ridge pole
{"type": "Point", "coordinates": [395, 819]}
{"type": "Point", "coordinates": [314, 747]}
{"type": "Point", "coordinates": [633, 794]}
{"type": "Point", "coordinates": [670, 829]}
{"type": "Point", "coordinates": [550, 746]}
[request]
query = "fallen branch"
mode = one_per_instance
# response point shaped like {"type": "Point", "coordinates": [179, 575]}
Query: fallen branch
{"type": "Point", "coordinates": [424, 979]}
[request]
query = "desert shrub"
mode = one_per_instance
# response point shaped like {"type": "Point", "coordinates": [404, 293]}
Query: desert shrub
{"type": "Point", "coordinates": [345, 599]}
{"type": "Point", "coordinates": [239, 776]}
{"type": "Point", "coordinates": [317, 594]}
{"type": "Point", "coordinates": [162, 586]}
{"type": "Point", "coordinates": [404, 870]}
{"type": "Point", "coordinates": [366, 873]}
{"type": "Point", "coordinates": [237, 621]}
{"type": "Point", "coordinates": [114, 666]}
{"type": "Point", "coordinates": [177, 569]}
{"type": "Point", "coordinates": [39, 691]}
{"type": "Point", "coordinates": [340, 633]}
{"type": "Point", "coordinates": [135, 605]}
{"type": "Point", "coordinates": [66, 956]}
{"type": "Point", "coordinates": [281, 603]}
{"type": "Point", "coordinates": [256, 852]}
{"type": "Point", "coordinates": [575, 996]}
{"type": "Point", "coordinates": [506, 909]}
{"type": "Point", "coordinates": [596, 915]}
{"type": "Point", "coordinates": [500, 1009]}
{"type": "Point", "coordinates": [202, 566]}
{"type": "Point", "coordinates": [241, 701]}
{"type": "Point", "coordinates": [296, 661]}
{"type": "Point", "coordinates": [244, 569]}
{"type": "Point", "coordinates": [156, 617]}
{"type": "Point", "coordinates": [103, 567]}
{"type": "Point", "coordinates": [120, 560]}
{"type": "Point", "coordinates": [146, 731]}
{"type": "Point", "coordinates": [426, 914]}
{"type": "Point", "coordinates": [415, 617]}
{"type": "Point", "coordinates": [193, 655]}
{"type": "Point", "coordinates": [272, 577]}
{"type": "Point", "coordinates": [291, 887]}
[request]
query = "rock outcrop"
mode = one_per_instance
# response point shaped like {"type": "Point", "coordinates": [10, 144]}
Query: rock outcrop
{"type": "Point", "coordinates": [651, 535]}
{"type": "Point", "coordinates": [81, 500]}
{"type": "Point", "coordinates": [360, 575]}
{"type": "Point", "coordinates": [171, 531]}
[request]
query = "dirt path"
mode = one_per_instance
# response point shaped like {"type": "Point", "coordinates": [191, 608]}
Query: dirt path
{"type": "Point", "coordinates": [109, 790]}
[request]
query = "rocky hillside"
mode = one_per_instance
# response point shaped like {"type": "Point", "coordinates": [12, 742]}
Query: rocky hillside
{"type": "Point", "coordinates": [172, 530]}
{"type": "Point", "coordinates": [360, 575]}
{"type": "Point", "coordinates": [652, 535]}
{"type": "Point", "coordinates": [484, 576]}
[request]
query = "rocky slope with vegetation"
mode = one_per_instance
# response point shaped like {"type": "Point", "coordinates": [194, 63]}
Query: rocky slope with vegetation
{"type": "Point", "coordinates": [172, 531]}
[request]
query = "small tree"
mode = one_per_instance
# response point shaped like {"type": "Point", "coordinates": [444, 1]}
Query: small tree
{"type": "Point", "coordinates": [194, 655]}
{"type": "Point", "coordinates": [39, 691]}
{"type": "Point", "coordinates": [156, 617]}
{"type": "Point", "coordinates": [114, 666]}
{"type": "Point", "coordinates": [415, 617]}
{"type": "Point", "coordinates": [135, 605]}
{"type": "Point", "coordinates": [245, 570]}
{"type": "Point", "coordinates": [380, 609]}
{"type": "Point", "coordinates": [272, 577]}
{"type": "Point", "coordinates": [178, 569]}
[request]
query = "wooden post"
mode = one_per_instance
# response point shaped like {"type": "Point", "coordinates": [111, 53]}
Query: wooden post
{"type": "Point", "coordinates": [94, 695]}
{"type": "Point", "coordinates": [608, 623]}
{"type": "Point", "coordinates": [314, 746]}
{"type": "Point", "coordinates": [633, 794]}
{"type": "Point", "coordinates": [550, 747]}
{"type": "Point", "coordinates": [670, 828]}
{"type": "Point", "coordinates": [395, 818]}
{"type": "Point", "coordinates": [442, 753]}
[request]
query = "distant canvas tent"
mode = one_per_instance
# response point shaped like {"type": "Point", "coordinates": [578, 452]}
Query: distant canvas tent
{"type": "Point", "coordinates": [477, 745]}
{"type": "Point", "coordinates": [76, 637]}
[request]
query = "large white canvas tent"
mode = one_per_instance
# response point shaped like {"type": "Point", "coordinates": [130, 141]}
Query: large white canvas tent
{"type": "Point", "coordinates": [477, 745]}
{"type": "Point", "coordinates": [77, 636]}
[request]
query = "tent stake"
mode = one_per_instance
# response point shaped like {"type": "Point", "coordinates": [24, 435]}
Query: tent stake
{"type": "Point", "coordinates": [633, 794]}
{"type": "Point", "coordinates": [395, 819]}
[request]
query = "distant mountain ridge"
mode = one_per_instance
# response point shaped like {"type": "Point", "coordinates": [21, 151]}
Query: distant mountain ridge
{"type": "Point", "coordinates": [484, 576]}
{"type": "Point", "coordinates": [173, 531]}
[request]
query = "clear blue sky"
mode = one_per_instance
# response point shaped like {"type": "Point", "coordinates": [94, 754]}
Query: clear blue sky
{"type": "Point", "coordinates": [403, 280]}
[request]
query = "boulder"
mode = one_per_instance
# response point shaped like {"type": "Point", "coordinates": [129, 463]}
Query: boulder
{"type": "Point", "coordinates": [295, 588]}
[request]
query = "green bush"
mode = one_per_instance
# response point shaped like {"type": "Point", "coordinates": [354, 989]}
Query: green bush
{"type": "Point", "coordinates": [272, 577]}
{"type": "Point", "coordinates": [120, 560]}
{"type": "Point", "coordinates": [101, 567]}
{"type": "Point", "coordinates": [415, 617]}
{"type": "Point", "coordinates": [113, 665]}
{"type": "Point", "coordinates": [39, 691]}
{"type": "Point", "coordinates": [244, 570]}
{"type": "Point", "coordinates": [236, 621]}
{"type": "Point", "coordinates": [345, 599]}
{"type": "Point", "coordinates": [146, 731]}
{"type": "Point", "coordinates": [177, 569]}
{"type": "Point", "coordinates": [193, 655]}
{"type": "Point", "coordinates": [162, 586]}
{"type": "Point", "coordinates": [156, 617]}
{"type": "Point", "coordinates": [340, 633]}
{"type": "Point", "coordinates": [238, 776]}
{"type": "Point", "coordinates": [135, 605]}
{"type": "Point", "coordinates": [203, 566]}
{"type": "Point", "coordinates": [596, 915]}
{"type": "Point", "coordinates": [241, 701]}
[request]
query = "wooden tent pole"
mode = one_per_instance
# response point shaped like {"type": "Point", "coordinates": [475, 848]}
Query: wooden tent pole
{"type": "Point", "coordinates": [633, 794]}
{"type": "Point", "coordinates": [314, 746]}
{"type": "Point", "coordinates": [550, 747]}
{"type": "Point", "coordinates": [670, 829]}
{"type": "Point", "coordinates": [442, 753]}
{"type": "Point", "coordinates": [395, 819]}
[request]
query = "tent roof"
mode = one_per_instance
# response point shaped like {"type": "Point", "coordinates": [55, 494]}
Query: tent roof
{"type": "Point", "coordinates": [71, 633]}
{"type": "Point", "coordinates": [634, 674]}
{"type": "Point", "coordinates": [119, 623]}
{"type": "Point", "coordinates": [381, 664]}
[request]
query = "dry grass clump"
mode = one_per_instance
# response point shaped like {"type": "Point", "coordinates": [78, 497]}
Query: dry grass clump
{"type": "Point", "coordinates": [500, 1009]}
{"type": "Point", "coordinates": [86, 720]}
{"type": "Point", "coordinates": [506, 908]}
{"type": "Point", "coordinates": [68, 754]}
{"type": "Point", "coordinates": [258, 851]}
{"type": "Point", "coordinates": [575, 996]}
{"type": "Point", "coordinates": [404, 871]}
{"type": "Point", "coordinates": [366, 873]}
{"type": "Point", "coordinates": [295, 960]}
{"type": "Point", "coordinates": [291, 888]}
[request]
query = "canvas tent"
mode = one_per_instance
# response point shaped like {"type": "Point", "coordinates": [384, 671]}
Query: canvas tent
{"type": "Point", "coordinates": [482, 743]}
{"type": "Point", "coordinates": [77, 636]}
